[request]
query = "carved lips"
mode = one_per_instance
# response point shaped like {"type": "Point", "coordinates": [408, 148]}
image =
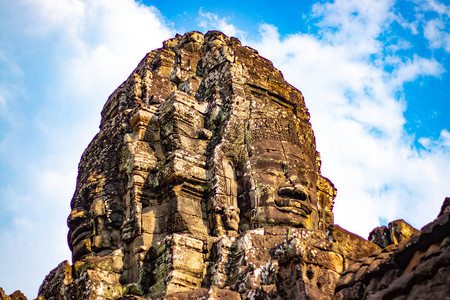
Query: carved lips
{"type": "Point", "coordinates": [294, 199]}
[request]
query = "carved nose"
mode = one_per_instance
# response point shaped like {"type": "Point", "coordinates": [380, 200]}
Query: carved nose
{"type": "Point", "coordinates": [76, 217]}
{"type": "Point", "coordinates": [297, 192]}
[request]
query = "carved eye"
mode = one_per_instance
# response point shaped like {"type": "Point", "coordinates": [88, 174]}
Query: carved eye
{"type": "Point", "coordinates": [306, 183]}
{"type": "Point", "coordinates": [272, 173]}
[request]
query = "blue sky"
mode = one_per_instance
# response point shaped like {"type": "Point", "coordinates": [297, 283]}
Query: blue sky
{"type": "Point", "coordinates": [374, 73]}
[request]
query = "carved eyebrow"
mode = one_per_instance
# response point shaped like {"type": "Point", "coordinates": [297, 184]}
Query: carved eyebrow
{"type": "Point", "coordinates": [273, 172]}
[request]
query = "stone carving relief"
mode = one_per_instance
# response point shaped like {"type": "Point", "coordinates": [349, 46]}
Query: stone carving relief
{"type": "Point", "coordinates": [204, 178]}
{"type": "Point", "coordinates": [195, 142]}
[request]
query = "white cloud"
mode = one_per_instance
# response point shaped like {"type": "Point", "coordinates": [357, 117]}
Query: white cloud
{"type": "Point", "coordinates": [435, 6]}
{"type": "Point", "coordinates": [210, 21]}
{"type": "Point", "coordinates": [58, 15]}
{"type": "Point", "coordinates": [433, 32]}
{"type": "Point", "coordinates": [425, 142]}
{"type": "Point", "coordinates": [441, 144]}
{"type": "Point", "coordinates": [417, 66]}
{"type": "Point", "coordinates": [437, 34]}
{"type": "Point", "coordinates": [355, 23]}
{"type": "Point", "coordinates": [435, 26]}
{"type": "Point", "coordinates": [444, 138]}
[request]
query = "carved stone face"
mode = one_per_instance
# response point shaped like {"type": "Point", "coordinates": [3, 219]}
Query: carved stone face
{"type": "Point", "coordinates": [80, 232]}
{"type": "Point", "coordinates": [231, 218]}
{"type": "Point", "coordinates": [281, 180]}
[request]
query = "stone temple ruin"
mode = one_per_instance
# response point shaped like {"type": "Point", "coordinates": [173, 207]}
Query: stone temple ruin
{"type": "Point", "coordinates": [204, 183]}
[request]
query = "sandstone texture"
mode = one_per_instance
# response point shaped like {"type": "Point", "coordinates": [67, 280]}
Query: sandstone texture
{"type": "Point", "coordinates": [17, 295]}
{"type": "Point", "coordinates": [204, 183]}
{"type": "Point", "coordinates": [394, 233]}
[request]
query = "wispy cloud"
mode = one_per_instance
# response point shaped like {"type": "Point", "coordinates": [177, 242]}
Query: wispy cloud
{"type": "Point", "coordinates": [437, 145]}
{"type": "Point", "coordinates": [210, 21]}
{"type": "Point", "coordinates": [433, 17]}
{"type": "Point", "coordinates": [437, 34]}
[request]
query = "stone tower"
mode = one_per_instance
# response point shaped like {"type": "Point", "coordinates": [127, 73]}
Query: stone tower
{"type": "Point", "coordinates": [204, 180]}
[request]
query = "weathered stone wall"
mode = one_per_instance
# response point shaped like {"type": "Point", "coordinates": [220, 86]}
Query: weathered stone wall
{"type": "Point", "coordinates": [394, 233]}
{"type": "Point", "coordinates": [17, 295]}
{"type": "Point", "coordinates": [416, 268]}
